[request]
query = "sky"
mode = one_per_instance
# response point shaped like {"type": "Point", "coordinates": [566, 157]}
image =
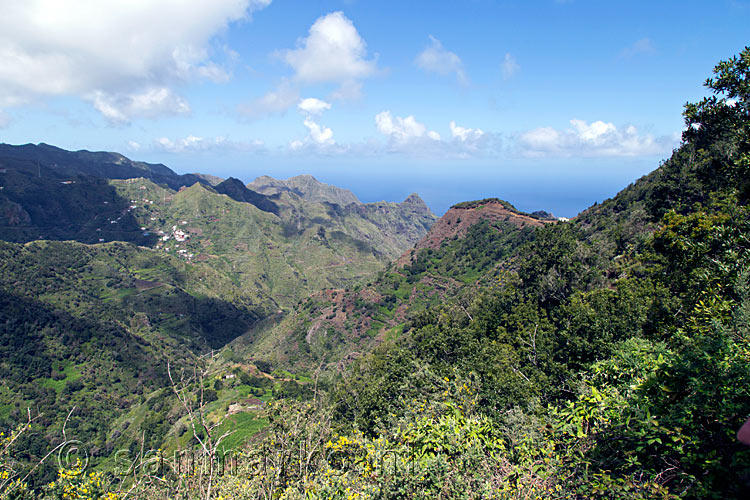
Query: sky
{"type": "Point", "coordinates": [550, 104]}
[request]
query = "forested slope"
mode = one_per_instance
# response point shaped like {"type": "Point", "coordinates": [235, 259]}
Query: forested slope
{"type": "Point", "coordinates": [606, 357]}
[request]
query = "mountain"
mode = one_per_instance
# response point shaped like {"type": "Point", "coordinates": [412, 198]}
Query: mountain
{"type": "Point", "coordinates": [151, 266]}
{"type": "Point", "coordinates": [604, 354]}
{"type": "Point", "coordinates": [52, 162]}
{"type": "Point", "coordinates": [211, 179]}
{"type": "Point", "coordinates": [466, 247]}
{"type": "Point", "coordinates": [460, 217]}
{"type": "Point", "coordinates": [281, 246]}
{"type": "Point", "coordinates": [505, 355]}
{"type": "Point", "coordinates": [50, 193]}
{"type": "Point", "coordinates": [305, 186]}
{"type": "Point", "coordinates": [82, 208]}
{"type": "Point", "coordinates": [235, 189]}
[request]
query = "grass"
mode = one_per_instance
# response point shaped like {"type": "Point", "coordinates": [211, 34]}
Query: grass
{"type": "Point", "coordinates": [395, 332]}
{"type": "Point", "coordinates": [71, 374]}
{"type": "Point", "coordinates": [375, 327]}
{"type": "Point", "coordinates": [470, 276]}
{"type": "Point", "coordinates": [243, 426]}
{"type": "Point", "coordinates": [404, 290]}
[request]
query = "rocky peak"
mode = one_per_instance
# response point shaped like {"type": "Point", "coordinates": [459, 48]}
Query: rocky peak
{"type": "Point", "coordinates": [414, 199]}
{"type": "Point", "coordinates": [307, 187]}
{"type": "Point", "coordinates": [457, 221]}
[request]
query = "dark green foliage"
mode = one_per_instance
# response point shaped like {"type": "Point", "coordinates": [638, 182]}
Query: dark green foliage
{"type": "Point", "coordinates": [87, 209]}
{"type": "Point", "coordinates": [608, 357]}
{"type": "Point", "coordinates": [558, 262]}
{"type": "Point", "coordinates": [479, 203]}
{"type": "Point", "coordinates": [264, 366]}
{"type": "Point", "coordinates": [630, 324]}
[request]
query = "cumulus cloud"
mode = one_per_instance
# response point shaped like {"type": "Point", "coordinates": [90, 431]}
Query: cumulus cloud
{"type": "Point", "coordinates": [465, 134]}
{"type": "Point", "coordinates": [319, 134]}
{"type": "Point", "coordinates": [642, 46]}
{"type": "Point", "coordinates": [402, 129]}
{"type": "Point", "coordinates": [150, 103]}
{"type": "Point", "coordinates": [404, 136]}
{"type": "Point", "coordinates": [509, 66]}
{"type": "Point", "coordinates": [333, 52]}
{"type": "Point", "coordinates": [276, 101]}
{"type": "Point", "coordinates": [591, 140]}
{"type": "Point", "coordinates": [193, 144]}
{"type": "Point", "coordinates": [436, 59]}
{"type": "Point", "coordinates": [313, 106]}
{"type": "Point", "coordinates": [118, 55]}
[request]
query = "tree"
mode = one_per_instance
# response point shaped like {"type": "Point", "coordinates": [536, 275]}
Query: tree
{"type": "Point", "coordinates": [720, 124]}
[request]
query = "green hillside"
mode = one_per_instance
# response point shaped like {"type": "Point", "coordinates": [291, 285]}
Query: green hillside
{"type": "Point", "coordinates": [284, 252]}
{"type": "Point", "coordinates": [504, 355]}
{"type": "Point", "coordinates": [601, 358]}
{"type": "Point", "coordinates": [157, 275]}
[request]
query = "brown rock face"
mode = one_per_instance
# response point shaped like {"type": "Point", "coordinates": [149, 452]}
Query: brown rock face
{"type": "Point", "coordinates": [458, 220]}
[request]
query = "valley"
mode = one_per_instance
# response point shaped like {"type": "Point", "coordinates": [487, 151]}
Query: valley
{"type": "Point", "coordinates": [339, 349]}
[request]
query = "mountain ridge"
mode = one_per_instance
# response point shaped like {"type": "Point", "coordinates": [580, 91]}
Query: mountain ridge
{"type": "Point", "coordinates": [60, 163]}
{"type": "Point", "coordinates": [307, 187]}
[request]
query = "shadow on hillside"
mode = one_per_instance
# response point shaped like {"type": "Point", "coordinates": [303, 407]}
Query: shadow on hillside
{"type": "Point", "coordinates": [87, 209]}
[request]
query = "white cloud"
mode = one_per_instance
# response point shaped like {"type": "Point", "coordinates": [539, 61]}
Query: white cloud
{"type": "Point", "coordinates": [509, 67]}
{"type": "Point", "coordinates": [333, 52]}
{"type": "Point", "coordinates": [318, 134]}
{"type": "Point", "coordinates": [436, 59]}
{"type": "Point", "coordinates": [402, 129]}
{"type": "Point", "coordinates": [465, 134]}
{"type": "Point", "coordinates": [404, 136]}
{"type": "Point", "coordinates": [193, 144]}
{"type": "Point", "coordinates": [591, 140]}
{"type": "Point", "coordinates": [274, 102]}
{"type": "Point", "coordinates": [642, 46]}
{"type": "Point", "coordinates": [150, 103]}
{"type": "Point", "coordinates": [111, 52]}
{"type": "Point", "coordinates": [189, 143]}
{"type": "Point", "coordinates": [313, 106]}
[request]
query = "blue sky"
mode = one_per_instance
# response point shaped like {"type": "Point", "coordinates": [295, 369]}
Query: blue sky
{"type": "Point", "coordinates": [549, 104]}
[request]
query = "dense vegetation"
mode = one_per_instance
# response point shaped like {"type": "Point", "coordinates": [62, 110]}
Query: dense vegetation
{"type": "Point", "coordinates": [87, 329]}
{"type": "Point", "coordinates": [608, 357]}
